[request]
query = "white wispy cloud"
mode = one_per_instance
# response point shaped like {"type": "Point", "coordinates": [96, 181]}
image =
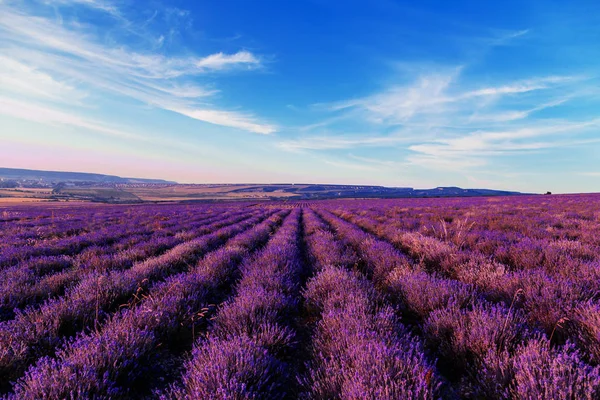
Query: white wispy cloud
{"type": "Point", "coordinates": [44, 34]}
{"type": "Point", "coordinates": [502, 116]}
{"type": "Point", "coordinates": [340, 142]}
{"type": "Point", "coordinates": [377, 161]}
{"type": "Point", "coordinates": [445, 163]}
{"type": "Point", "coordinates": [400, 103]}
{"type": "Point", "coordinates": [446, 121]}
{"type": "Point", "coordinates": [516, 34]}
{"type": "Point", "coordinates": [434, 94]}
{"type": "Point", "coordinates": [473, 149]}
{"type": "Point", "coordinates": [55, 56]}
{"type": "Point", "coordinates": [79, 124]}
{"type": "Point", "coordinates": [504, 37]}
{"type": "Point", "coordinates": [515, 88]}
{"type": "Point", "coordinates": [102, 5]}
{"type": "Point", "coordinates": [19, 78]}
{"type": "Point", "coordinates": [221, 61]}
{"type": "Point", "coordinates": [227, 118]}
{"type": "Point", "coordinates": [51, 116]}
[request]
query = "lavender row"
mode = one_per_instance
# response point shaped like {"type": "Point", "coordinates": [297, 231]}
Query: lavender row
{"type": "Point", "coordinates": [20, 285]}
{"type": "Point", "coordinates": [248, 352]}
{"type": "Point", "coordinates": [533, 291]}
{"type": "Point", "coordinates": [534, 217]}
{"type": "Point", "coordinates": [483, 347]}
{"type": "Point", "coordinates": [379, 257]}
{"type": "Point", "coordinates": [540, 239]}
{"type": "Point", "coordinates": [123, 356]}
{"type": "Point", "coordinates": [70, 224]}
{"type": "Point", "coordinates": [48, 223]}
{"type": "Point", "coordinates": [103, 234]}
{"type": "Point", "coordinates": [75, 240]}
{"type": "Point", "coordinates": [37, 332]}
{"type": "Point", "coordinates": [559, 250]}
{"type": "Point", "coordinates": [359, 350]}
{"type": "Point", "coordinates": [119, 236]}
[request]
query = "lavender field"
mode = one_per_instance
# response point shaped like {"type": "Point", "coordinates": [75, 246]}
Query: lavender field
{"type": "Point", "coordinates": [480, 298]}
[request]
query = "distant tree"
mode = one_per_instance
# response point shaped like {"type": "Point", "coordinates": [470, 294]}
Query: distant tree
{"type": "Point", "coordinates": [548, 193]}
{"type": "Point", "coordinates": [9, 184]}
{"type": "Point", "coordinates": [58, 187]}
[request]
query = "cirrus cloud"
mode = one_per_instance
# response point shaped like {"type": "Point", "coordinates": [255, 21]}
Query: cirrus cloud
{"type": "Point", "coordinates": [59, 60]}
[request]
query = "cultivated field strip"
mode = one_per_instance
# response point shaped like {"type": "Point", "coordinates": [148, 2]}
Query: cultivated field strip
{"type": "Point", "coordinates": [31, 281]}
{"type": "Point", "coordinates": [550, 246]}
{"type": "Point", "coordinates": [488, 298]}
{"type": "Point", "coordinates": [102, 364]}
{"type": "Point", "coordinates": [18, 286]}
{"type": "Point", "coordinates": [22, 286]}
{"type": "Point", "coordinates": [359, 348]}
{"type": "Point", "coordinates": [248, 350]}
{"type": "Point", "coordinates": [38, 332]}
{"type": "Point", "coordinates": [474, 339]}
{"type": "Point", "coordinates": [532, 289]}
{"type": "Point", "coordinates": [101, 233]}
{"type": "Point", "coordinates": [71, 233]}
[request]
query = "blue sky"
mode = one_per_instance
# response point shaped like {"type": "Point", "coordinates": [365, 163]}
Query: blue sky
{"type": "Point", "coordinates": [501, 95]}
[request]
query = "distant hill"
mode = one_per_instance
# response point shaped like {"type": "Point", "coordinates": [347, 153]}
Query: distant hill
{"type": "Point", "coordinates": [54, 177]}
{"type": "Point", "coordinates": [82, 186]}
{"type": "Point", "coordinates": [311, 191]}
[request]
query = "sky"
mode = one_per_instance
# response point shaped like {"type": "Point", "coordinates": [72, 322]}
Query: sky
{"type": "Point", "coordinates": [476, 94]}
